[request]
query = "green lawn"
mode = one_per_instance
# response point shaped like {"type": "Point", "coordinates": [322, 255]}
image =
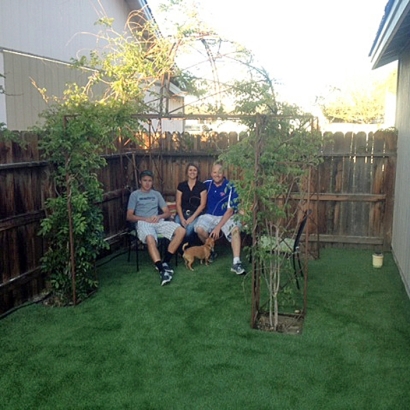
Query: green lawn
{"type": "Point", "coordinates": [189, 345]}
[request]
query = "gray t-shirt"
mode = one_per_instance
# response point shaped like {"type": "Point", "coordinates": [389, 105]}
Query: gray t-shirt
{"type": "Point", "coordinates": [146, 204]}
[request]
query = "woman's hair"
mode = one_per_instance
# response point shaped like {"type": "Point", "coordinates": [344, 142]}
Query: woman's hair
{"type": "Point", "coordinates": [191, 164]}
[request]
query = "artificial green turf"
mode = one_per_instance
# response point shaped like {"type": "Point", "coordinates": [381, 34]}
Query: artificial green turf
{"type": "Point", "coordinates": [137, 345]}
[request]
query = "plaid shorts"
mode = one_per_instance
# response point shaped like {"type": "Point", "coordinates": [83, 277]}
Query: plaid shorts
{"type": "Point", "coordinates": [164, 228]}
{"type": "Point", "coordinates": [208, 223]}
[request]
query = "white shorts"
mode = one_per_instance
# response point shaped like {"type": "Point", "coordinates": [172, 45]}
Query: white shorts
{"type": "Point", "coordinates": [208, 223]}
{"type": "Point", "coordinates": [164, 228]}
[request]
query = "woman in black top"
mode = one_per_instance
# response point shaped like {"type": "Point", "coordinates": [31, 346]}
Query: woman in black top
{"type": "Point", "coordinates": [190, 200]}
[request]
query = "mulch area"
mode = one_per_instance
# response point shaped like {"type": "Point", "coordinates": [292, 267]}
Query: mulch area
{"type": "Point", "coordinates": [287, 323]}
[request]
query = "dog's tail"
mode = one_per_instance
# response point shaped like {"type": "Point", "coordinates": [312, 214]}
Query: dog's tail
{"type": "Point", "coordinates": [184, 246]}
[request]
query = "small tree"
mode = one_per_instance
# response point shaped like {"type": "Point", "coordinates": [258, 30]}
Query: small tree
{"type": "Point", "coordinates": [272, 162]}
{"type": "Point", "coordinates": [363, 103]}
{"type": "Point", "coordinates": [73, 138]}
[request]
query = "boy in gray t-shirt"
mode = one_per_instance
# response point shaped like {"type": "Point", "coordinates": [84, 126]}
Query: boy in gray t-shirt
{"type": "Point", "coordinates": [142, 210]}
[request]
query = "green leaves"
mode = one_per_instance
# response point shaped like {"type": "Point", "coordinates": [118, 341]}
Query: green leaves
{"type": "Point", "coordinates": [73, 136]}
{"type": "Point", "coordinates": [272, 162]}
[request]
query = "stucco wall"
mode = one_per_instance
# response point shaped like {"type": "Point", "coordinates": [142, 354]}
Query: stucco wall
{"type": "Point", "coordinates": [401, 219]}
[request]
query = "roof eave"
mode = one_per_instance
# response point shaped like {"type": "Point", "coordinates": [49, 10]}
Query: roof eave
{"type": "Point", "coordinates": [388, 43]}
{"type": "Point", "coordinates": [141, 5]}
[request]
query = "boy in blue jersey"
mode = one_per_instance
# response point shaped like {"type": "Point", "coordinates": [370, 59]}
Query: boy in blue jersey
{"type": "Point", "coordinates": [142, 210]}
{"type": "Point", "coordinates": [219, 215]}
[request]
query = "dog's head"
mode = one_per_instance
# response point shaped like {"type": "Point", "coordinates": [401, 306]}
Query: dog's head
{"type": "Point", "coordinates": [210, 243]}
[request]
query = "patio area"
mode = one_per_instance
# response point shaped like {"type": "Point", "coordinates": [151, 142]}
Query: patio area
{"type": "Point", "coordinates": [137, 345]}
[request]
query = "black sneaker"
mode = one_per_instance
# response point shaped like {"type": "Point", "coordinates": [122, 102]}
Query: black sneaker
{"type": "Point", "coordinates": [167, 268]}
{"type": "Point", "coordinates": [238, 268]}
{"type": "Point", "coordinates": [212, 257]}
{"type": "Point", "coordinates": [165, 278]}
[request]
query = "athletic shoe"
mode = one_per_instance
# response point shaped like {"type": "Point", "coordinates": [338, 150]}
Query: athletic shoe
{"type": "Point", "coordinates": [167, 268]}
{"type": "Point", "coordinates": [165, 278]}
{"type": "Point", "coordinates": [238, 268]}
{"type": "Point", "coordinates": [212, 257]}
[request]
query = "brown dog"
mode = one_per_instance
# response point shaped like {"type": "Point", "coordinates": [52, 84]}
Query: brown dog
{"type": "Point", "coordinates": [200, 252]}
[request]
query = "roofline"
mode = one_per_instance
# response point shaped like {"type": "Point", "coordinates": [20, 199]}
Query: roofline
{"type": "Point", "coordinates": [394, 13]}
{"type": "Point", "coordinates": [174, 89]}
{"type": "Point", "coordinates": [143, 5]}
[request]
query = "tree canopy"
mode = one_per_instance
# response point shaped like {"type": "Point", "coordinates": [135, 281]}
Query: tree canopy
{"type": "Point", "coordinates": [363, 103]}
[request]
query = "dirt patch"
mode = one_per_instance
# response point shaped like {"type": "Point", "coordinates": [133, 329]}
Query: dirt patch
{"type": "Point", "coordinates": [52, 300]}
{"type": "Point", "coordinates": [287, 323]}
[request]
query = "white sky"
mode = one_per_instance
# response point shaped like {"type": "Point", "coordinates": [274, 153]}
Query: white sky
{"type": "Point", "coordinates": [305, 44]}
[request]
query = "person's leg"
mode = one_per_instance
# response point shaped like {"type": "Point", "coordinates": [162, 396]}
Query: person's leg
{"type": "Point", "coordinates": [177, 219]}
{"type": "Point", "coordinates": [178, 237]}
{"type": "Point", "coordinates": [191, 236]}
{"type": "Point", "coordinates": [153, 248]}
{"type": "Point", "coordinates": [176, 234]}
{"type": "Point", "coordinates": [190, 229]}
{"type": "Point", "coordinates": [206, 224]}
{"type": "Point", "coordinates": [203, 227]}
{"type": "Point", "coordinates": [236, 242]}
{"type": "Point", "coordinates": [232, 232]}
{"type": "Point", "coordinates": [147, 234]}
{"type": "Point", "coordinates": [202, 234]}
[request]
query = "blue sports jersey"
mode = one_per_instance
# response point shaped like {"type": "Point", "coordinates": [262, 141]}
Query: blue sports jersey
{"type": "Point", "coordinates": [220, 198]}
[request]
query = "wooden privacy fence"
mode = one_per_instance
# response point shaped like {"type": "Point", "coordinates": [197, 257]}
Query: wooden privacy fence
{"type": "Point", "coordinates": [354, 190]}
{"type": "Point", "coordinates": [351, 194]}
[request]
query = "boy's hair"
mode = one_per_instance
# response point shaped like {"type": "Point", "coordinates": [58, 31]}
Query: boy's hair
{"type": "Point", "coordinates": [146, 173]}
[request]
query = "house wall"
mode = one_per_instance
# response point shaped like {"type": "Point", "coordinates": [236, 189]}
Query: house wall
{"type": "Point", "coordinates": [57, 29]}
{"type": "Point", "coordinates": [2, 94]}
{"type": "Point", "coordinates": [23, 101]}
{"type": "Point", "coordinates": [37, 41]}
{"type": "Point", "coordinates": [401, 218]}
{"type": "Point", "coordinates": [175, 106]}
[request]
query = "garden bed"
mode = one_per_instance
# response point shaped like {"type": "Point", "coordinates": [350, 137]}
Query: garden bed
{"type": "Point", "coordinates": [287, 323]}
